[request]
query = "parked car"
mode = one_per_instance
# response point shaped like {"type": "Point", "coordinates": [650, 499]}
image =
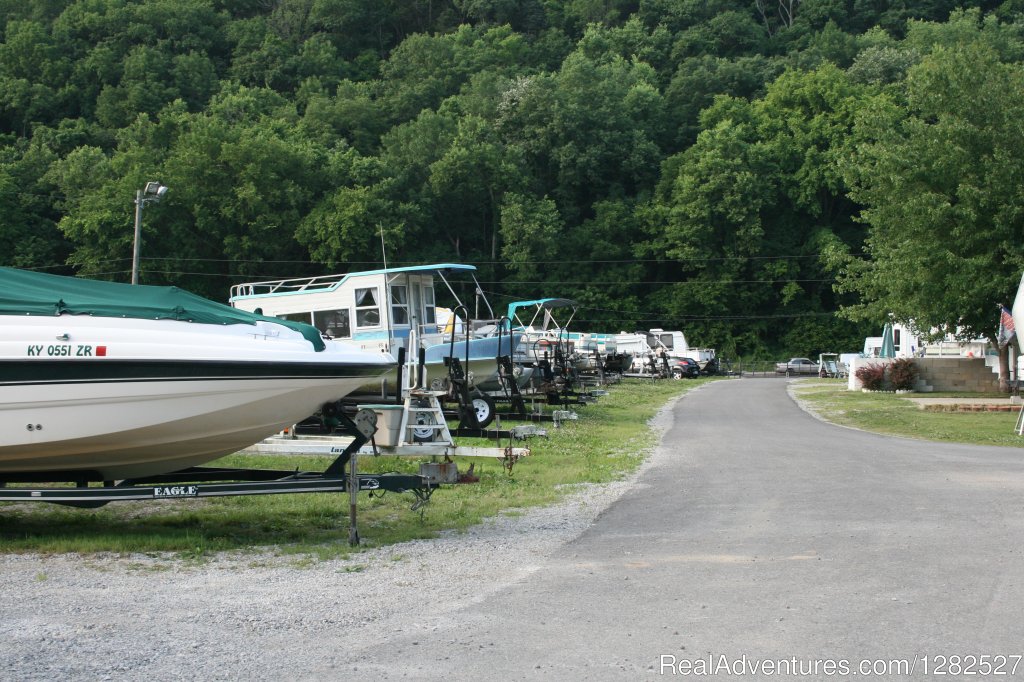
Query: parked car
{"type": "Point", "coordinates": [685, 368]}
{"type": "Point", "coordinates": [797, 366]}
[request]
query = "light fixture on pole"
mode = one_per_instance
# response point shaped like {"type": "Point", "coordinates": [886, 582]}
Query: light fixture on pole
{"type": "Point", "coordinates": [153, 191]}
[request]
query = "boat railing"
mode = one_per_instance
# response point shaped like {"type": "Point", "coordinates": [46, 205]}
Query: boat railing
{"type": "Point", "coordinates": [429, 334]}
{"type": "Point", "coordinates": [412, 376]}
{"type": "Point", "coordinates": [451, 345]}
{"type": "Point", "coordinates": [504, 332]}
{"type": "Point", "coordinates": [432, 334]}
{"type": "Point", "coordinates": [301, 284]}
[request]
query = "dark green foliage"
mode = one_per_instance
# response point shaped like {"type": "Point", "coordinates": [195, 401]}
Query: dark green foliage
{"type": "Point", "coordinates": [938, 173]}
{"type": "Point", "coordinates": [694, 164]}
{"type": "Point", "coordinates": [697, 81]}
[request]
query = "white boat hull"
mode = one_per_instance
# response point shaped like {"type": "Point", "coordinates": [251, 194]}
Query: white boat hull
{"type": "Point", "coordinates": [1018, 312]}
{"type": "Point", "coordinates": [132, 430]}
{"type": "Point", "coordinates": [131, 398]}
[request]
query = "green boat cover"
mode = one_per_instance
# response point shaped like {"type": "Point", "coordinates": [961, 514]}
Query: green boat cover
{"type": "Point", "coordinates": [23, 292]}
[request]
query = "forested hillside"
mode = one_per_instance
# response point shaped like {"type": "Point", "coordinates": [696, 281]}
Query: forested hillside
{"type": "Point", "coordinates": [767, 175]}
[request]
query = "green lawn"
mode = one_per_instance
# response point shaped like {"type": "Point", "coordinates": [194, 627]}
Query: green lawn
{"type": "Point", "coordinates": [894, 414]}
{"type": "Point", "coordinates": [609, 441]}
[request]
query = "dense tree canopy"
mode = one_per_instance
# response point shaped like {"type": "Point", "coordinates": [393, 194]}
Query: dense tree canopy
{"type": "Point", "coordinates": [770, 176]}
{"type": "Point", "coordinates": [940, 173]}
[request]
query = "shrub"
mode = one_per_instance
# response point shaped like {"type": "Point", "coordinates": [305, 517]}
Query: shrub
{"type": "Point", "coordinates": [872, 377]}
{"type": "Point", "coordinates": [903, 374]}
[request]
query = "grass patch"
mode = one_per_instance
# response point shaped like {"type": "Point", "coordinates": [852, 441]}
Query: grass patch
{"type": "Point", "coordinates": [893, 414]}
{"type": "Point", "coordinates": [609, 441]}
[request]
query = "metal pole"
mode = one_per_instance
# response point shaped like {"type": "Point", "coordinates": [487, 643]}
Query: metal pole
{"type": "Point", "coordinates": [353, 499]}
{"type": "Point", "coordinates": [138, 237]}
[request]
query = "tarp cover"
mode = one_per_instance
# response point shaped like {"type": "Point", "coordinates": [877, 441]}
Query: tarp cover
{"type": "Point", "coordinates": [23, 292]}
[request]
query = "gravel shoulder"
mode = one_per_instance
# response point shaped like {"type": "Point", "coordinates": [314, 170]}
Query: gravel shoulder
{"type": "Point", "coordinates": [263, 616]}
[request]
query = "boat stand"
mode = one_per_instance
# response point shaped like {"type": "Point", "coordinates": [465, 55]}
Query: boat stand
{"type": "Point", "coordinates": [421, 431]}
{"type": "Point", "coordinates": [199, 482]}
{"type": "Point", "coordinates": [460, 388]}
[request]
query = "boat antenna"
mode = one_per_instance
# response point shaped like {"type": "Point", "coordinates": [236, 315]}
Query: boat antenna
{"type": "Point", "coordinates": [480, 294]}
{"type": "Point", "coordinates": [387, 291]}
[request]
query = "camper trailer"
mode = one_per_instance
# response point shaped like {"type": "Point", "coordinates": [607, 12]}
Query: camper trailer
{"type": "Point", "coordinates": [675, 346]}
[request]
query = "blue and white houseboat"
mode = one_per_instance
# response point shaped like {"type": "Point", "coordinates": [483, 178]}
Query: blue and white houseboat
{"type": "Point", "coordinates": [385, 310]}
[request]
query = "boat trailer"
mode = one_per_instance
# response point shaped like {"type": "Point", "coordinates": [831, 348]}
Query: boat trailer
{"type": "Point", "coordinates": [417, 428]}
{"type": "Point", "coordinates": [200, 482]}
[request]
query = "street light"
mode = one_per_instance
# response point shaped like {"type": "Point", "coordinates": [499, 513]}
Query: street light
{"type": "Point", "coordinates": [153, 191]}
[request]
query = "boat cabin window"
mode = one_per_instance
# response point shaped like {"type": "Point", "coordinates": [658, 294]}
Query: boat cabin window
{"type": "Point", "coordinates": [667, 340]}
{"type": "Point", "coordinates": [305, 318]}
{"type": "Point", "coordinates": [399, 304]}
{"type": "Point", "coordinates": [429, 307]}
{"type": "Point", "coordinates": [367, 308]}
{"type": "Point", "coordinates": [333, 323]}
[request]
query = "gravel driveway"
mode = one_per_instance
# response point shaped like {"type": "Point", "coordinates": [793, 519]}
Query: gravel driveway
{"type": "Point", "coordinates": [260, 617]}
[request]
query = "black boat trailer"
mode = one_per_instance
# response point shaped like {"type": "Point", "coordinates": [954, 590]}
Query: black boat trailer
{"type": "Point", "coordinates": [557, 380]}
{"type": "Point", "coordinates": [200, 482]}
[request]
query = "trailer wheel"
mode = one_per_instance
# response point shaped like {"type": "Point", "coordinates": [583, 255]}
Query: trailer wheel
{"type": "Point", "coordinates": [423, 428]}
{"type": "Point", "coordinates": [484, 407]}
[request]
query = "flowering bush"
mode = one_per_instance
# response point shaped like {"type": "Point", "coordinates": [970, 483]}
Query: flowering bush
{"type": "Point", "coordinates": [903, 374]}
{"type": "Point", "coordinates": [872, 377]}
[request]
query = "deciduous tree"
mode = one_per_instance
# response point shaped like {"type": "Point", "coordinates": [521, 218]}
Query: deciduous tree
{"type": "Point", "coordinates": [942, 182]}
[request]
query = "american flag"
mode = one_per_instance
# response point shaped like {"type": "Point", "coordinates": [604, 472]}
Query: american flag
{"type": "Point", "coordinates": [1006, 329]}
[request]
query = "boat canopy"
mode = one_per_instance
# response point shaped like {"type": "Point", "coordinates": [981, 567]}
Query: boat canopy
{"type": "Point", "coordinates": [24, 292]}
{"type": "Point", "coordinates": [540, 304]}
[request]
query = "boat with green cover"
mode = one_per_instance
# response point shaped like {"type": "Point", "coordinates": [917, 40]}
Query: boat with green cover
{"type": "Point", "coordinates": [108, 381]}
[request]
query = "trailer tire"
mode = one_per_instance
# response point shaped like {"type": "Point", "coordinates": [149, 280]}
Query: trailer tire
{"type": "Point", "coordinates": [484, 407]}
{"type": "Point", "coordinates": [423, 427]}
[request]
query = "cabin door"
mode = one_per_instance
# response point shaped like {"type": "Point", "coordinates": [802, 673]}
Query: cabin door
{"type": "Point", "coordinates": [416, 308]}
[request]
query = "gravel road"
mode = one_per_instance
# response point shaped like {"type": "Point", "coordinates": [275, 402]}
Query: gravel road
{"type": "Point", "coordinates": [263, 617]}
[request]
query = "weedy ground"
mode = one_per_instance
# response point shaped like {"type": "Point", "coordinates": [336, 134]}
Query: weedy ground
{"type": "Point", "coordinates": [607, 443]}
